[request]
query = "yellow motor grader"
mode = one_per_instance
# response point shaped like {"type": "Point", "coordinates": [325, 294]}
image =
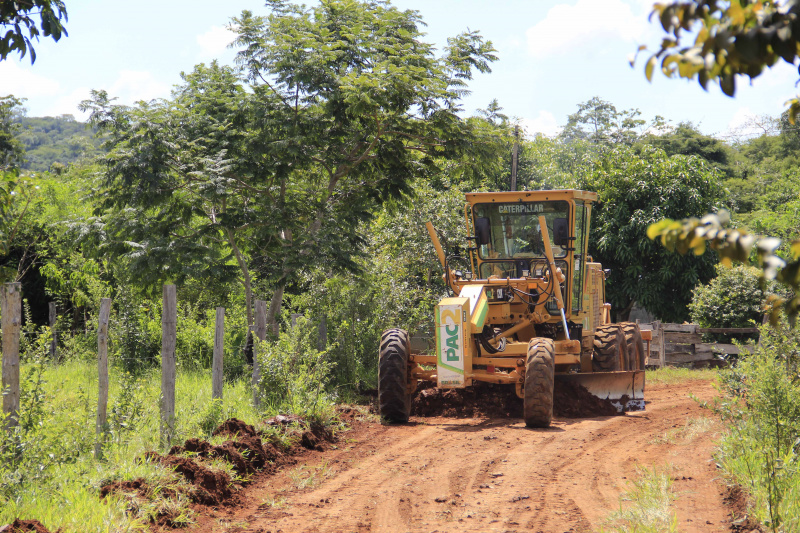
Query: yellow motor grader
{"type": "Point", "coordinates": [528, 308]}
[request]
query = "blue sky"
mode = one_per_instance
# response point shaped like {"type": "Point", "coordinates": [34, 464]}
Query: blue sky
{"type": "Point", "coordinates": [553, 55]}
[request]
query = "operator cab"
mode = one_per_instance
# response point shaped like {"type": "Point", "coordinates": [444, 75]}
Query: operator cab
{"type": "Point", "coordinates": [508, 237]}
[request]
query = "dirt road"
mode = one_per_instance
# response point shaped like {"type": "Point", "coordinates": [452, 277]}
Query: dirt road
{"type": "Point", "coordinates": [444, 474]}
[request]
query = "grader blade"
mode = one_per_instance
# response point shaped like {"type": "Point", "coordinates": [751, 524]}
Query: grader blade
{"type": "Point", "coordinates": [624, 390]}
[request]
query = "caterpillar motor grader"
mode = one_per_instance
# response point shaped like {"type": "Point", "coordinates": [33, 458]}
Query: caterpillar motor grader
{"type": "Point", "coordinates": [527, 308]}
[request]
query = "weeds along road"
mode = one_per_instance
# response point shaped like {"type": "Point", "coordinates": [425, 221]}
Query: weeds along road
{"type": "Point", "coordinates": [446, 474]}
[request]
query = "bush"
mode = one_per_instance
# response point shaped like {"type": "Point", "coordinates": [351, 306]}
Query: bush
{"type": "Point", "coordinates": [294, 374]}
{"type": "Point", "coordinates": [761, 407]}
{"type": "Point", "coordinates": [733, 299]}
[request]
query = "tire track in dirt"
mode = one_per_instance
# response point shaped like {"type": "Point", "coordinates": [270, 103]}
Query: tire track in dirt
{"type": "Point", "coordinates": [444, 474]}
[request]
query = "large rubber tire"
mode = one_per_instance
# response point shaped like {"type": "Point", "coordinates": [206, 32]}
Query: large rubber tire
{"type": "Point", "coordinates": [609, 349]}
{"type": "Point", "coordinates": [635, 345]}
{"type": "Point", "coordinates": [394, 400]}
{"type": "Point", "coordinates": [540, 372]}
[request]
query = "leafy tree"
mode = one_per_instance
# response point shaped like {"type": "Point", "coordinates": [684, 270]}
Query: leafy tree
{"type": "Point", "coordinates": [18, 17]}
{"type": "Point", "coordinates": [343, 103]}
{"type": "Point", "coordinates": [12, 152]}
{"type": "Point", "coordinates": [686, 139]}
{"type": "Point", "coordinates": [635, 190]}
{"type": "Point", "coordinates": [728, 39]}
{"type": "Point", "coordinates": [598, 121]}
{"type": "Point", "coordinates": [697, 235]}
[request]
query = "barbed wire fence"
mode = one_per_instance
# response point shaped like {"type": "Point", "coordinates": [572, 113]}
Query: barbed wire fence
{"type": "Point", "coordinates": [18, 334]}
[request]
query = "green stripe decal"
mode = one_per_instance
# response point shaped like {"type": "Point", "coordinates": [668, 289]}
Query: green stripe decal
{"type": "Point", "coordinates": [483, 309]}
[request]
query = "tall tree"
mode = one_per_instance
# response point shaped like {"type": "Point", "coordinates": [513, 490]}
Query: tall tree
{"type": "Point", "coordinates": [342, 104]}
{"type": "Point", "coordinates": [636, 189]}
{"type": "Point", "coordinates": [12, 151]}
{"type": "Point", "coordinates": [598, 121]}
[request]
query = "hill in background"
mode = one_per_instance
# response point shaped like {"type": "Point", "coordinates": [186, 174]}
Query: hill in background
{"type": "Point", "coordinates": [60, 139]}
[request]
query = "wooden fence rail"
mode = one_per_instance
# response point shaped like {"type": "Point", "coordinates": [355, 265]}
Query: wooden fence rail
{"type": "Point", "coordinates": [682, 344]}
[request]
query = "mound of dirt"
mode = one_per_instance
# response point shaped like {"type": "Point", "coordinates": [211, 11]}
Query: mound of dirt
{"type": "Point", "coordinates": [226, 450]}
{"type": "Point", "coordinates": [246, 452]}
{"type": "Point", "coordinates": [18, 526]}
{"type": "Point", "coordinates": [571, 400]}
{"type": "Point", "coordinates": [487, 400]}
{"type": "Point", "coordinates": [235, 428]}
{"type": "Point", "coordinates": [211, 487]}
{"type": "Point", "coordinates": [481, 400]}
{"type": "Point", "coordinates": [736, 500]}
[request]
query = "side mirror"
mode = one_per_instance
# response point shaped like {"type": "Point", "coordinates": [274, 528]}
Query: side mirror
{"type": "Point", "coordinates": [561, 232]}
{"type": "Point", "coordinates": [483, 231]}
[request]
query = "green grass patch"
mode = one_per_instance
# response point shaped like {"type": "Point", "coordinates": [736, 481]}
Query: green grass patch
{"type": "Point", "coordinates": [670, 375]}
{"type": "Point", "coordinates": [47, 468]}
{"type": "Point", "coordinates": [646, 507]}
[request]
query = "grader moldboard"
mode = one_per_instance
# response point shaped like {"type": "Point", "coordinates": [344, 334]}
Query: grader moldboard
{"type": "Point", "coordinates": [528, 308]}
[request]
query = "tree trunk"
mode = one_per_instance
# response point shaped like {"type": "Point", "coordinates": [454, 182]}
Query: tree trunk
{"type": "Point", "coordinates": [624, 314]}
{"type": "Point", "coordinates": [248, 289]}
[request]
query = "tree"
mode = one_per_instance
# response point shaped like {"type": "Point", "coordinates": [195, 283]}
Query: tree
{"type": "Point", "coordinates": [599, 122]}
{"type": "Point", "coordinates": [729, 39]}
{"type": "Point", "coordinates": [636, 190]}
{"type": "Point", "coordinates": [686, 139]}
{"type": "Point", "coordinates": [21, 16]}
{"type": "Point", "coordinates": [12, 151]}
{"type": "Point", "coordinates": [733, 299]}
{"type": "Point", "coordinates": [732, 244]}
{"type": "Point", "coordinates": [342, 105]}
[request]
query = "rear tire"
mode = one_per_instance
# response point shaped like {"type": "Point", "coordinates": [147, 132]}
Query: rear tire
{"type": "Point", "coordinates": [635, 345]}
{"type": "Point", "coordinates": [539, 382]}
{"type": "Point", "coordinates": [609, 348]}
{"type": "Point", "coordinates": [394, 400]}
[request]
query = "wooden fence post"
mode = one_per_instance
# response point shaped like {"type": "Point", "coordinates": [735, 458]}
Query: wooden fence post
{"type": "Point", "coordinates": [12, 320]}
{"type": "Point", "coordinates": [261, 334]}
{"type": "Point", "coordinates": [219, 344]}
{"type": "Point", "coordinates": [53, 332]}
{"type": "Point", "coordinates": [102, 375]}
{"type": "Point", "coordinates": [662, 348]}
{"type": "Point", "coordinates": [169, 320]}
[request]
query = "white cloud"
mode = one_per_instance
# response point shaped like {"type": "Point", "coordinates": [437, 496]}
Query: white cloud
{"type": "Point", "coordinates": [588, 23]}
{"type": "Point", "coordinates": [67, 104]}
{"type": "Point", "coordinates": [23, 83]}
{"type": "Point", "coordinates": [544, 123]}
{"type": "Point", "coordinates": [134, 85]}
{"type": "Point", "coordinates": [214, 41]}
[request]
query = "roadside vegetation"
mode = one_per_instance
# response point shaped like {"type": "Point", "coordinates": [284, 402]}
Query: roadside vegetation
{"type": "Point", "coordinates": [761, 409]}
{"type": "Point", "coordinates": [311, 193]}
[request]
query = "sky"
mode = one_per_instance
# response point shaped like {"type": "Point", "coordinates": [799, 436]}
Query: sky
{"type": "Point", "coordinates": [553, 55]}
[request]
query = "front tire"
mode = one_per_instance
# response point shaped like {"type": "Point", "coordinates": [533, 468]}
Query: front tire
{"type": "Point", "coordinates": [394, 400]}
{"type": "Point", "coordinates": [609, 348]}
{"type": "Point", "coordinates": [539, 383]}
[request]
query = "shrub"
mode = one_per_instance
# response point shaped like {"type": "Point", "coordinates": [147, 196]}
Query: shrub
{"type": "Point", "coordinates": [733, 299]}
{"type": "Point", "coordinates": [294, 373]}
{"type": "Point", "coordinates": [761, 407]}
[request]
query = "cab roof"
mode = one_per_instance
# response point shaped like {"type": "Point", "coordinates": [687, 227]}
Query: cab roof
{"type": "Point", "coordinates": [530, 196]}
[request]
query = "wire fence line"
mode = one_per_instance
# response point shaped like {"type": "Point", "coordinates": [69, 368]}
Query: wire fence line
{"type": "Point", "coordinates": [14, 336]}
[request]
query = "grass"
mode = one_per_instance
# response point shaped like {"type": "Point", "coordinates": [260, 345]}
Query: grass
{"type": "Point", "coordinates": [308, 477]}
{"type": "Point", "coordinates": [693, 428]}
{"type": "Point", "coordinates": [57, 479]}
{"type": "Point", "coordinates": [649, 507]}
{"type": "Point", "coordinates": [670, 375]}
